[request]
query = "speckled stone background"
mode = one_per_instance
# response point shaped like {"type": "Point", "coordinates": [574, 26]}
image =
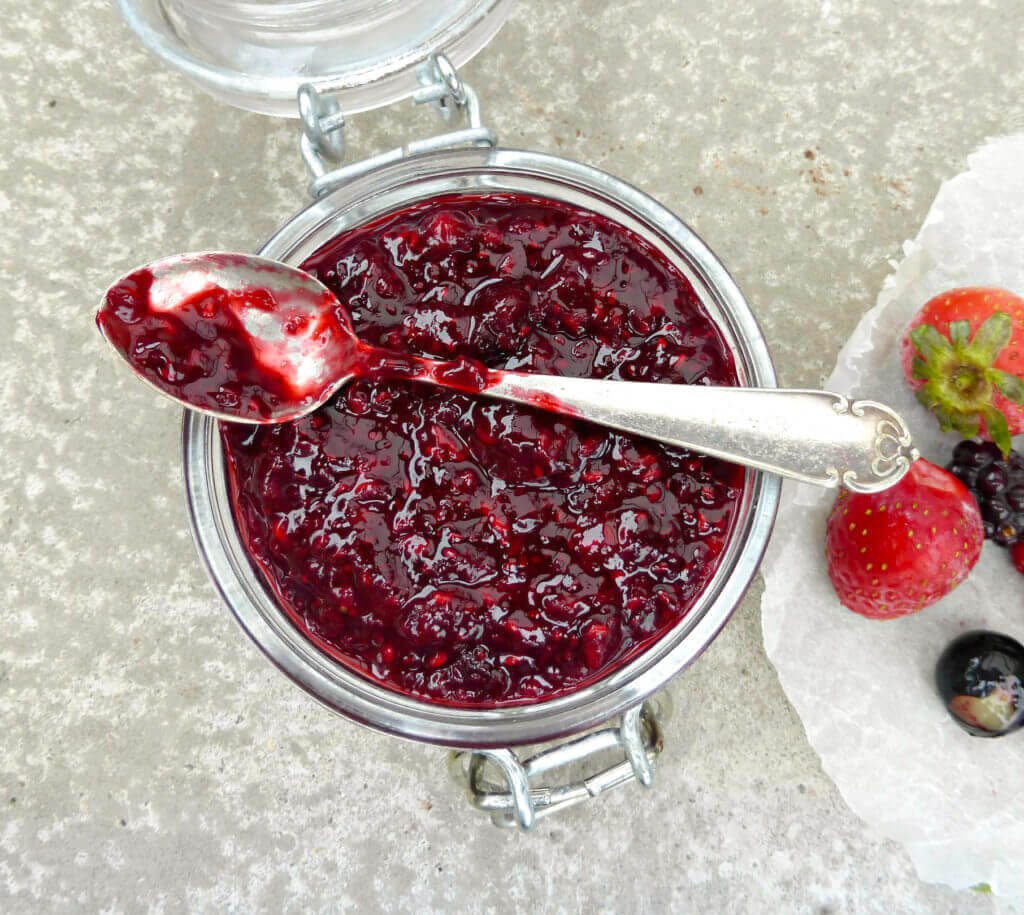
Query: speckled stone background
{"type": "Point", "coordinates": [150, 759]}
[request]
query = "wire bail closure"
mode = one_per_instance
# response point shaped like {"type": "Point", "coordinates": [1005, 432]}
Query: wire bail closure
{"type": "Point", "coordinates": [323, 126]}
{"type": "Point", "coordinates": [499, 783]}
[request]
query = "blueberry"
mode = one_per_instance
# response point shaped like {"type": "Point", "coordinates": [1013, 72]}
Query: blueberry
{"type": "Point", "coordinates": [980, 678]}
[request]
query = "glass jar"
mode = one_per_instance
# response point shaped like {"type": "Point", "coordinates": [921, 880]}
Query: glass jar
{"type": "Point", "coordinates": [398, 185]}
{"type": "Point", "coordinates": [257, 53]}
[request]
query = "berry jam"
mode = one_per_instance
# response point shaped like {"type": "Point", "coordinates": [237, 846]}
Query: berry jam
{"type": "Point", "coordinates": [195, 344]}
{"type": "Point", "coordinates": [473, 552]}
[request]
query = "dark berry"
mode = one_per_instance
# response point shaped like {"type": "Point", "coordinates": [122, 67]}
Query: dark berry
{"type": "Point", "coordinates": [980, 678]}
{"type": "Point", "coordinates": [997, 483]}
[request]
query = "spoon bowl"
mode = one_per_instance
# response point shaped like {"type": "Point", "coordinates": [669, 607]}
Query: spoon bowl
{"type": "Point", "coordinates": [240, 337]}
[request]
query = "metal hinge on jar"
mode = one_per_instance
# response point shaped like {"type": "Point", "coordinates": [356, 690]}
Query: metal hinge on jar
{"type": "Point", "coordinates": [517, 801]}
{"type": "Point", "coordinates": [323, 124]}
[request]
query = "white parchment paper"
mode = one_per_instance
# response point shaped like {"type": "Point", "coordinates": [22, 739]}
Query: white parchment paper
{"type": "Point", "coordinates": [863, 688]}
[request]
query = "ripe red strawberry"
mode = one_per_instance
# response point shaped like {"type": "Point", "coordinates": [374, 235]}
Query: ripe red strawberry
{"type": "Point", "coordinates": [1017, 555]}
{"type": "Point", "coordinates": [964, 355]}
{"type": "Point", "coordinates": [896, 552]}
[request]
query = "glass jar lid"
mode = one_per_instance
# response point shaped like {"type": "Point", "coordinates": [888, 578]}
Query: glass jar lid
{"type": "Point", "coordinates": [255, 54]}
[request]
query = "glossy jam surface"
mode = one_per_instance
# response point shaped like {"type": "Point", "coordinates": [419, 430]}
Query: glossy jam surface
{"type": "Point", "coordinates": [479, 553]}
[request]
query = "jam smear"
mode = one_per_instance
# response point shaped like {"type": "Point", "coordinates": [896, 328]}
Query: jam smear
{"type": "Point", "coordinates": [480, 553]}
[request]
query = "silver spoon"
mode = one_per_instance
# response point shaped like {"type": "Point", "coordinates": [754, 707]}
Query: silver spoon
{"type": "Point", "coordinates": [263, 342]}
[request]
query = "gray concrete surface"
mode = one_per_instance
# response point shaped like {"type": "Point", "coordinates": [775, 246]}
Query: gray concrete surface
{"type": "Point", "coordinates": [150, 760]}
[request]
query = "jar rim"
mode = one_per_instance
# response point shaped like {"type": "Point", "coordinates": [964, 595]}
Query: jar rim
{"type": "Point", "coordinates": [357, 697]}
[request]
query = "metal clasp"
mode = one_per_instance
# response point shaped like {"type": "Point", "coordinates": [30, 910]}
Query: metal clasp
{"type": "Point", "coordinates": [323, 125]}
{"type": "Point", "coordinates": [499, 783]}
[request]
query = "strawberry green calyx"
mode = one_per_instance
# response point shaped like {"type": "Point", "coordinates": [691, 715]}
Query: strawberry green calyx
{"type": "Point", "coordinates": [960, 380]}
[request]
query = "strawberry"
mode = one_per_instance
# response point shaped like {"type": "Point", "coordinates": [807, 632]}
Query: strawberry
{"type": "Point", "coordinates": [964, 355]}
{"type": "Point", "coordinates": [1017, 555]}
{"type": "Point", "coordinates": [895, 552]}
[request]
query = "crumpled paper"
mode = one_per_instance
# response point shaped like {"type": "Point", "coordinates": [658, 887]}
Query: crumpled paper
{"type": "Point", "coordinates": [863, 688]}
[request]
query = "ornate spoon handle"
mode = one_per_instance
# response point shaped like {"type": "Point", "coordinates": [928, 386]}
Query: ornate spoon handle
{"type": "Point", "coordinates": [814, 436]}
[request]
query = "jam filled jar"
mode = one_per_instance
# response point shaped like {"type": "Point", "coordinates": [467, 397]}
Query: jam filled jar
{"type": "Point", "coordinates": [483, 576]}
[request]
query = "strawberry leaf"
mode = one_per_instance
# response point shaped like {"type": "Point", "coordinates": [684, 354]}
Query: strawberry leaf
{"type": "Point", "coordinates": [928, 341]}
{"type": "Point", "coordinates": [998, 430]}
{"type": "Point", "coordinates": [919, 369]}
{"type": "Point", "coordinates": [1011, 386]}
{"type": "Point", "coordinates": [991, 337]}
{"type": "Point", "coordinates": [946, 422]}
{"type": "Point", "coordinates": [960, 332]}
